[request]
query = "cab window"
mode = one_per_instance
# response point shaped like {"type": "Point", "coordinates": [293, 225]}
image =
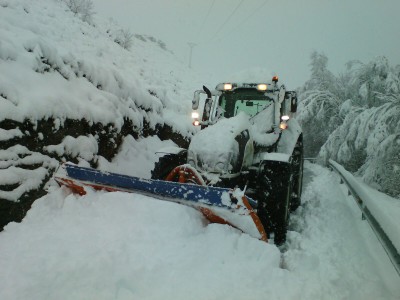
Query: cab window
{"type": "Point", "coordinates": [249, 101]}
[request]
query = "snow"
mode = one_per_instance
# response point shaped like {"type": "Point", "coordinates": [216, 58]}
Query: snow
{"type": "Point", "coordinates": [385, 209]}
{"type": "Point", "coordinates": [331, 250]}
{"type": "Point", "coordinates": [10, 134]}
{"type": "Point", "coordinates": [136, 157]}
{"type": "Point", "coordinates": [262, 123]}
{"type": "Point", "coordinates": [128, 246]}
{"type": "Point", "coordinates": [216, 144]}
{"type": "Point", "coordinates": [83, 146]}
{"type": "Point", "coordinates": [85, 73]}
{"type": "Point", "coordinates": [289, 137]}
{"type": "Point", "coordinates": [31, 179]}
{"type": "Point", "coordinates": [11, 173]}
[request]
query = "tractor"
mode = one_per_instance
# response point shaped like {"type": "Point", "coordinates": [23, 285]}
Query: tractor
{"type": "Point", "coordinates": [248, 138]}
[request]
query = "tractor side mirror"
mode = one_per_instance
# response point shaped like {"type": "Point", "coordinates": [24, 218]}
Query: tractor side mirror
{"type": "Point", "coordinates": [196, 100]}
{"type": "Point", "coordinates": [293, 104]}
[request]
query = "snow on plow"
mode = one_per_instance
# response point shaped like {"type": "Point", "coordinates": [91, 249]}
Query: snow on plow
{"type": "Point", "coordinates": [218, 205]}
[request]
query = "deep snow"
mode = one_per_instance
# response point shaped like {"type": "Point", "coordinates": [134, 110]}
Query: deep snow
{"type": "Point", "coordinates": [128, 246]}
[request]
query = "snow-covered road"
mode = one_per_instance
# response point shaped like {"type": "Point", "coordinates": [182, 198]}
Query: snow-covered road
{"type": "Point", "coordinates": [331, 250]}
{"type": "Point", "coordinates": [127, 246]}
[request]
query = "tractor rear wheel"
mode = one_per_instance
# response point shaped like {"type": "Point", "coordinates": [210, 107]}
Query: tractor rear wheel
{"type": "Point", "coordinates": [274, 196]}
{"type": "Point", "coordinates": [297, 166]}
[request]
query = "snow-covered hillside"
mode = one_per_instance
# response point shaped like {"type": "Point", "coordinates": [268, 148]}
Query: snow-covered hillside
{"type": "Point", "coordinates": [70, 91]}
{"type": "Point", "coordinates": [55, 65]}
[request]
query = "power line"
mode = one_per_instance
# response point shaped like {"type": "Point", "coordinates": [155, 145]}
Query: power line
{"type": "Point", "coordinates": [252, 14]}
{"type": "Point", "coordinates": [227, 20]}
{"type": "Point", "coordinates": [206, 18]}
{"type": "Point", "coordinates": [191, 45]}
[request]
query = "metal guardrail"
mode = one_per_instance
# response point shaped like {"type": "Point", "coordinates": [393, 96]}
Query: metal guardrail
{"type": "Point", "coordinates": [311, 159]}
{"type": "Point", "coordinates": [383, 238]}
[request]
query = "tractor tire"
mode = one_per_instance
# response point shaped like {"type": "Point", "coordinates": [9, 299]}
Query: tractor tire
{"type": "Point", "coordinates": [297, 166]}
{"type": "Point", "coordinates": [282, 215]}
{"type": "Point", "coordinates": [274, 196]}
{"type": "Point", "coordinates": [167, 163]}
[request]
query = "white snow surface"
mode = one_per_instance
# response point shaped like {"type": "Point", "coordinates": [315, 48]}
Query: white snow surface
{"type": "Point", "coordinates": [83, 146]}
{"type": "Point", "coordinates": [128, 246]}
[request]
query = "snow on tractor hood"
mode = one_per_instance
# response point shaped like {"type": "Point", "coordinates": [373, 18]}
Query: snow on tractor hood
{"type": "Point", "coordinates": [261, 127]}
{"type": "Point", "coordinates": [216, 148]}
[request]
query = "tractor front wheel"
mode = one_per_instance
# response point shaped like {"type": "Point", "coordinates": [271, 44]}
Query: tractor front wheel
{"type": "Point", "coordinates": [166, 164]}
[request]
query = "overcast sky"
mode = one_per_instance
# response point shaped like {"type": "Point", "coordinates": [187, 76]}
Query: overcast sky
{"type": "Point", "coordinates": [232, 35]}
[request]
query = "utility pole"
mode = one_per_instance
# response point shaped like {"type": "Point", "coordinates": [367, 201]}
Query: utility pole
{"type": "Point", "coordinates": [191, 45]}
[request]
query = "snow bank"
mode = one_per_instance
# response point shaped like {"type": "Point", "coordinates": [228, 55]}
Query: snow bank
{"type": "Point", "coordinates": [126, 246]}
{"type": "Point", "coordinates": [136, 157]}
{"type": "Point", "coordinates": [385, 209]}
{"type": "Point", "coordinates": [331, 250]}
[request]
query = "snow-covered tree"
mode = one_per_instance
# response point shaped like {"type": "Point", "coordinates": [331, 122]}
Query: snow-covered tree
{"type": "Point", "coordinates": [321, 77]}
{"type": "Point", "coordinates": [354, 118]}
{"type": "Point", "coordinates": [371, 80]}
{"type": "Point", "coordinates": [319, 117]}
{"type": "Point", "coordinates": [319, 105]}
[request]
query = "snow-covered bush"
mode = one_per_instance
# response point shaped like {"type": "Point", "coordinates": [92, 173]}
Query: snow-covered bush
{"type": "Point", "coordinates": [124, 38]}
{"type": "Point", "coordinates": [81, 8]}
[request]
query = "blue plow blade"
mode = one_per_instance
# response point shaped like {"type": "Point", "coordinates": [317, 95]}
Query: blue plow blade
{"type": "Point", "coordinates": [218, 205]}
{"type": "Point", "coordinates": [174, 191]}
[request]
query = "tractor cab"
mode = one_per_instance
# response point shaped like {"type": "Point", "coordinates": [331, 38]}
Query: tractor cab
{"type": "Point", "coordinates": [229, 99]}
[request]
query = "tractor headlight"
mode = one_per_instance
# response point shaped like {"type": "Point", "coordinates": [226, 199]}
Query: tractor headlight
{"type": "Point", "coordinates": [262, 87]}
{"type": "Point", "coordinates": [227, 86]}
{"type": "Point", "coordinates": [285, 118]}
{"type": "Point", "coordinates": [283, 125]}
{"type": "Point", "coordinates": [195, 115]}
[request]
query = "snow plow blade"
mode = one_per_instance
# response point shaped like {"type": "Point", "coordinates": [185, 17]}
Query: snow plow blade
{"type": "Point", "coordinates": [218, 205]}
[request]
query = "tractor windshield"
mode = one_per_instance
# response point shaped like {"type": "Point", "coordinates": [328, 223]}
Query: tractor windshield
{"type": "Point", "coordinates": [250, 101]}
